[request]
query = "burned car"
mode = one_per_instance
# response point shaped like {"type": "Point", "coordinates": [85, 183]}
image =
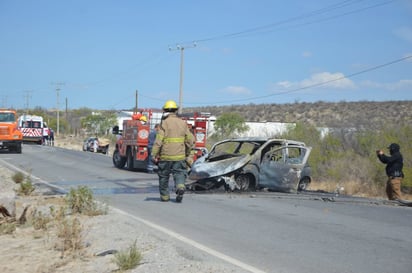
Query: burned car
{"type": "Point", "coordinates": [248, 164]}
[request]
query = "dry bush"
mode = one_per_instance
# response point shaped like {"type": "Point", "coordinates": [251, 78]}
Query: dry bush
{"type": "Point", "coordinates": [69, 231]}
{"type": "Point", "coordinates": [18, 177]}
{"type": "Point", "coordinates": [128, 259]}
{"type": "Point", "coordinates": [7, 227]}
{"type": "Point", "coordinates": [81, 200]}
{"type": "Point", "coordinates": [40, 221]}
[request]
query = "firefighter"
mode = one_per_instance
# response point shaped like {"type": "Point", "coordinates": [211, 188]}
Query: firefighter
{"type": "Point", "coordinates": [143, 119]}
{"type": "Point", "coordinates": [152, 138]}
{"type": "Point", "coordinates": [173, 144]}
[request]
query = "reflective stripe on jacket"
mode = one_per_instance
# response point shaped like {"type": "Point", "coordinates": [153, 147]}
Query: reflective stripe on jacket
{"type": "Point", "coordinates": [174, 141]}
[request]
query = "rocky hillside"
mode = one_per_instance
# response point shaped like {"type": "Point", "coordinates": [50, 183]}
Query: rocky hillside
{"type": "Point", "coordinates": [362, 114]}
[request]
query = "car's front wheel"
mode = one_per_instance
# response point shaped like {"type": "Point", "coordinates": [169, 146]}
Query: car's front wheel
{"type": "Point", "coordinates": [245, 182]}
{"type": "Point", "coordinates": [303, 184]}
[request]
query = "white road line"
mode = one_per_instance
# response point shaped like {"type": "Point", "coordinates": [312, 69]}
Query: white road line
{"type": "Point", "coordinates": [12, 167]}
{"type": "Point", "coordinates": [195, 244]}
{"type": "Point", "coordinates": [173, 234]}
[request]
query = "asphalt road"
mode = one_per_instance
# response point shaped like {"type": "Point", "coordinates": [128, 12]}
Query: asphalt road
{"type": "Point", "coordinates": [262, 232]}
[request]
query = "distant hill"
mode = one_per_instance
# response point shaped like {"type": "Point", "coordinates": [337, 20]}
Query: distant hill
{"type": "Point", "coordinates": [362, 114]}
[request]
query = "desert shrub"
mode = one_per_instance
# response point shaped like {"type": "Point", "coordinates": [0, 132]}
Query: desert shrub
{"type": "Point", "coordinates": [69, 231]}
{"type": "Point", "coordinates": [26, 187]}
{"type": "Point", "coordinates": [40, 221]}
{"type": "Point", "coordinates": [18, 177]}
{"type": "Point", "coordinates": [81, 200]}
{"type": "Point", "coordinates": [7, 228]}
{"type": "Point", "coordinates": [128, 259]}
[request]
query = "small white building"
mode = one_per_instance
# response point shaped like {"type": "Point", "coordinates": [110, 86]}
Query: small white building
{"type": "Point", "coordinates": [260, 129]}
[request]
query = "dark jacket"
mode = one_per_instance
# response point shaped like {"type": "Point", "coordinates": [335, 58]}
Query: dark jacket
{"type": "Point", "coordinates": [152, 138]}
{"type": "Point", "coordinates": [394, 164]}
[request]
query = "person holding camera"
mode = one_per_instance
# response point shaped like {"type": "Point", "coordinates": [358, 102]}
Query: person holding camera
{"type": "Point", "coordinates": [394, 165]}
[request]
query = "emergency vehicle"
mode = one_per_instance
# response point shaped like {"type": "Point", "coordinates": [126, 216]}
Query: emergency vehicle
{"type": "Point", "coordinates": [131, 146]}
{"type": "Point", "coordinates": [10, 136]}
{"type": "Point", "coordinates": [32, 128]}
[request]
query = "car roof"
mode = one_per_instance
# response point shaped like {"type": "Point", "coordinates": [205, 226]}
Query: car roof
{"type": "Point", "coordinates": [262, 139]}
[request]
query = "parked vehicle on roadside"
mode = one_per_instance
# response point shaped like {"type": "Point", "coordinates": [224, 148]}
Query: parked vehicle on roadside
{"type": "Point", "coordinates": [248, 164]}
{"type": "Point", "coordinates": [11, 137]}
{"type": "Point", "coordinates": [32, 128]}
{"type": "Point", "coordinates": [96, 145]}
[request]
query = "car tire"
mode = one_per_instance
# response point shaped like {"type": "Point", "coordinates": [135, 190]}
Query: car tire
{"type": "Point", "coordinates": [303, 184]}
{"type": "Point", "coordinates": [118, 160]}
{"type": "Point", "coordinates": [244, 182]}
{"type": "Point", "coordinates": [18, 148]}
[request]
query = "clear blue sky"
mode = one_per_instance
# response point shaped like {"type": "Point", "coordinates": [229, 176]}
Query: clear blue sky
{"type": "Point", "coordinates": [247, 51]}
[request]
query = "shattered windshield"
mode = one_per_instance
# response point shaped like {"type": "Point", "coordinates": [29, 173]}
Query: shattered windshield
{"type": "Point", "coordinates": [234, 148]}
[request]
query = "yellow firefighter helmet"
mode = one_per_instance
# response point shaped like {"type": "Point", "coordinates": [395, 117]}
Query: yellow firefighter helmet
{"type": "Point", "coordinates": [170, 106]}
{"type": "Point", "coordinates": [143, 118]}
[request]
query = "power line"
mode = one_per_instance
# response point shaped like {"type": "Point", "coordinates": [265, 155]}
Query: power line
{"type": "Point", "coordinates": [269, 27]}
{"type": "Point", "coordinates": [318, 84]}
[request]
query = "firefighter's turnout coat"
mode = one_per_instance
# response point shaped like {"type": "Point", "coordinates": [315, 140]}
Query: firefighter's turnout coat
{"type": "Point", "coordinates": [174, 141]}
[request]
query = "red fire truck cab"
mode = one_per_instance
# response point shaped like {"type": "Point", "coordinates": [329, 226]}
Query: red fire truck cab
{"type": "Point", "coordinates": [131, 149]}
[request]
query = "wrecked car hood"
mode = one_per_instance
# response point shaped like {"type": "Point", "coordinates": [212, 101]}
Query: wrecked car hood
{"type": "Point", "coordinates": [202, 169]}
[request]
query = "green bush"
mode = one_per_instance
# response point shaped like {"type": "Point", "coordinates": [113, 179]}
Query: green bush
{"type": "Point", "coordinates": [26, 187]}
{"type": "Point", "coordinates": [128, 259]}
{"type": "Point", "coordinates": [81, 200]}
{"type": "Point", "coordinates": [18, 177]}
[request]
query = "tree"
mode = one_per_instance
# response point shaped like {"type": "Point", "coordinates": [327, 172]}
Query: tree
{"type": "Point", "coordinates": [99, 123]}
{"type": "Point", "coordinates": [230, 125]}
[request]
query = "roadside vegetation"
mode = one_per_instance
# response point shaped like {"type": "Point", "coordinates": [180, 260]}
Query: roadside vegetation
{"type": "Point", "coordinates": [129, 258]}
{"type": "Point", "coordinates": [348, 159]}
{"type": "Point", "coordinates": [342, 160]}
{"type": "Point", "coordinates": [26, 186]}
{"type": "Point", "coordinates": [62, 218]}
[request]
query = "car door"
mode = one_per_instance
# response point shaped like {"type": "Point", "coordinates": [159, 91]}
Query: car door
{"type": "Point", "coordinates": [281, 168]}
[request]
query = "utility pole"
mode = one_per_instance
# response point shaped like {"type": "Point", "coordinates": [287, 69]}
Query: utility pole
{"type": "Point", "coordinates": [182, 49]}
{"type": "Point", "coordinates": [27, 98]}
{"type": "Point", "coordinates": [135, 108]}
{"type": "Point", "coordinates": [58, 84]}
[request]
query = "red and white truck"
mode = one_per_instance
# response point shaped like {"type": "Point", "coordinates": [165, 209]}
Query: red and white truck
{"type": "Point", "coordinates": [32, 128]}
{"type": "Point", "coordinates": [131, 149]}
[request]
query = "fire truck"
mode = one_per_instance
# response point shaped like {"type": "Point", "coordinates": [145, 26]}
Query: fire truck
{"type": "Point", "coordinates": [32, 128]}
{"type": "Point", "coordinates": [131, 149]}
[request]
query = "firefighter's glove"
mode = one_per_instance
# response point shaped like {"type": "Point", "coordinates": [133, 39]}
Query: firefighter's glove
{"type": "Point", "coordinates": [155, 160]}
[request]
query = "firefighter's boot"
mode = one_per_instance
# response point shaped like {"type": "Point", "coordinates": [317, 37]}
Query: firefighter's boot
{"type": "Point", "coordinates": [179, 194]}
{"type": "Point", "coordinates": [164, 198]}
